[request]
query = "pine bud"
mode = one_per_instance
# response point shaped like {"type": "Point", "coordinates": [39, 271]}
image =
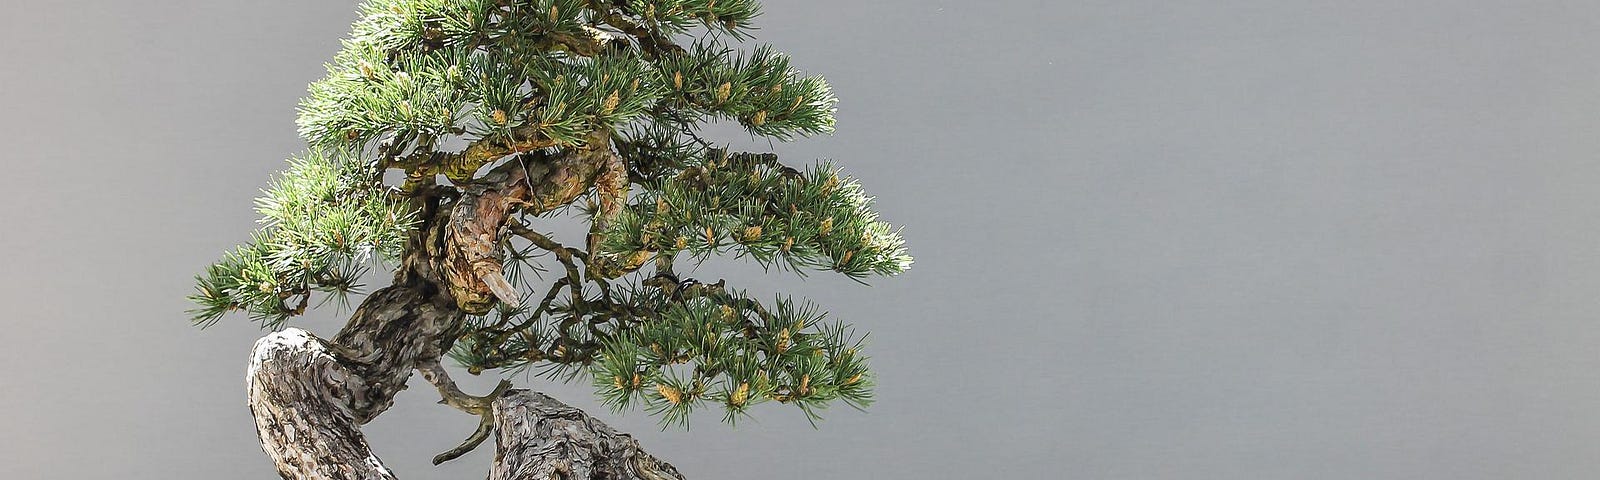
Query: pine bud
{"type": "Point", "coordinates": [739, 395]}
{"type": "Point", "coordinates": [788, 242]}
{"type": "Point", "coordinates": [759, 118]}
{"type": "Point", "coordinates": [752, 233]}
{"type": "Point", "coordinates": [681, 243]}
{"type": "Point", "coordinates": [723, 91]}
{"type": "Point", "coordinates": [610, 103]}
{"type": "Point", "coordinates": [711, 236]}
{"type": "Point", "coordinates": [553, 14]}
{"type": "Point", "coordinates": [846, 260]}
{"type": "Point", "coordinates": [783, 340]}
{"type": "Point", "coordinates": [677, 80]}
{"type": "Point", "coordinates": [366, 70]}
{"type": "Point", "coordinates": [853, 380]}
{"type": "Point", "coordinates": [826, 226]}
{"type": "Point", "coordinates": [671, 394]}
{"type": "Point", "coordinates": [727, 313]}
{"type": "Point", "coordinates": [499, 116]}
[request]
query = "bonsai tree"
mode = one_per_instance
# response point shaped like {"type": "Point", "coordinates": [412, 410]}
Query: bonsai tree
{"type": "Point", "coordinates": [447, 135]}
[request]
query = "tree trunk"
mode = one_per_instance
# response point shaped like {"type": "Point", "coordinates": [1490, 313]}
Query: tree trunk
{"type": "Point", "coordinates": [310, 396]}
{"type": "Point", "coordinates": [298, 392]}
{"type": "Point", "coordinates": [541, 438]}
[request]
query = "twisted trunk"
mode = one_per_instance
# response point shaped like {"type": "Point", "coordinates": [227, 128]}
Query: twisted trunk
{"type": "Point", "coordinates": [309, 396]}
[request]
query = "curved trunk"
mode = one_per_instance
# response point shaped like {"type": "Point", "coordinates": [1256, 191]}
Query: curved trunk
{"type": "Point", "coordinates": [298, 392]}
{"type": "Point", "coordinates": [310, 396]}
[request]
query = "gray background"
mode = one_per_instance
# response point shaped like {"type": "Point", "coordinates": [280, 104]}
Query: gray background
{"type": "Point", "coordinates": [1155, 239]}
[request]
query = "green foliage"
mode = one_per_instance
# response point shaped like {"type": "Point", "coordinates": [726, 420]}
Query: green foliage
{"type": "Point", "coordinates": [323, 220]}
{"type": "Point", "coordinates": [751, 205]}
{"type": "Point", "coordinates": [759, 90]}
{"type": "Point", "coordinates": [675, 17]}
{"type": "Point", "coordinates": [516, 75]}
{"type": "Point", "coordinates": [673, 348]}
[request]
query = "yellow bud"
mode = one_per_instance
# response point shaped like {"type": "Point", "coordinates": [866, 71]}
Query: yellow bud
{"type": "Point", "coordinates": [499, 116]}
{"type": "Point", "coordinates": [783, 340]}
{"type": "Point", "coordinates": [711, 236]}
{"type": "Point", "coordinates": [680, 243]}
{"type": "Point", "coordinates": [610, 103]}
{"type": "Point", "coordinates": [805, 383]}
{"type": "Point", "coordinates": [752, 233]}
{"type": "Point", "coordinates": [723, 91]}
{"type": "Point", "coordinates": [853, 380]}
{"type": "Point", "coordinates": [740, 395]}
{"type": "Point", "coordinates": [553, 13]}
{"type": "Point", "coordinates": [787, 243]}
{"type": "Point", "coordinates": [677, 80]}
{"type": "Point", "coordinates": [669, 393]}
{"type": "Point", "coordinates": [759, 118]}
{"type": "Point", "coordinates": [366, 70]}
{"type": "Point", "coordinates": [826, 226]}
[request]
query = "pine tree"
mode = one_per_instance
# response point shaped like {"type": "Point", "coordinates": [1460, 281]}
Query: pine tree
{"type": "Point", "coordinates": [504, 113]}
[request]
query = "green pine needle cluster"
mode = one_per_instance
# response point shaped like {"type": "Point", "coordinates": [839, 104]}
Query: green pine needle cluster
{"type": "Point", "coordinates": [752, 206]}
{"type": "Point", "coordinates": [324, 220]}
{"type": "Point", "coordinates": [677, 347]}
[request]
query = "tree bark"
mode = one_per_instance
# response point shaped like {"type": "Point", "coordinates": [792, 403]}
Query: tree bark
{"type": "Point", "coordinates": [298, 391]}
{"type": "Point", "coordinates": [541, 438]}
{"type": "Point", "coordinates": [310, 396]}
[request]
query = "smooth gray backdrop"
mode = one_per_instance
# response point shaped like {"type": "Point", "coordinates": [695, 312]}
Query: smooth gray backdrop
{"type": "Point", "coordinates": [1154, 239]}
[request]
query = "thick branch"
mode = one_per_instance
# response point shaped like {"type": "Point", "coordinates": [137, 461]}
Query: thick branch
{"type": "Point", "coordinates": [533, 184]}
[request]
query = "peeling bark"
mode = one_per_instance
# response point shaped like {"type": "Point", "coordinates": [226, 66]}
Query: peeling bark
{"type": "Point", "coordinates": [473, 267]}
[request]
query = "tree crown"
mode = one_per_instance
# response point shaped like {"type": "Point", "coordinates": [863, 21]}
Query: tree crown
{"type": "Point", "coordinates": [590, 104]}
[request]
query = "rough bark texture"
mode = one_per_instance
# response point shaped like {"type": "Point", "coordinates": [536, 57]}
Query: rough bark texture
{"type": "Point", "coordinates": [541, 438]}
{"type": "Point", "coordinates": [298, 392]}
{"type": "Point", "coordinates": [310, 396]}
{"type": "Point", "coordinates": [298, 388]}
